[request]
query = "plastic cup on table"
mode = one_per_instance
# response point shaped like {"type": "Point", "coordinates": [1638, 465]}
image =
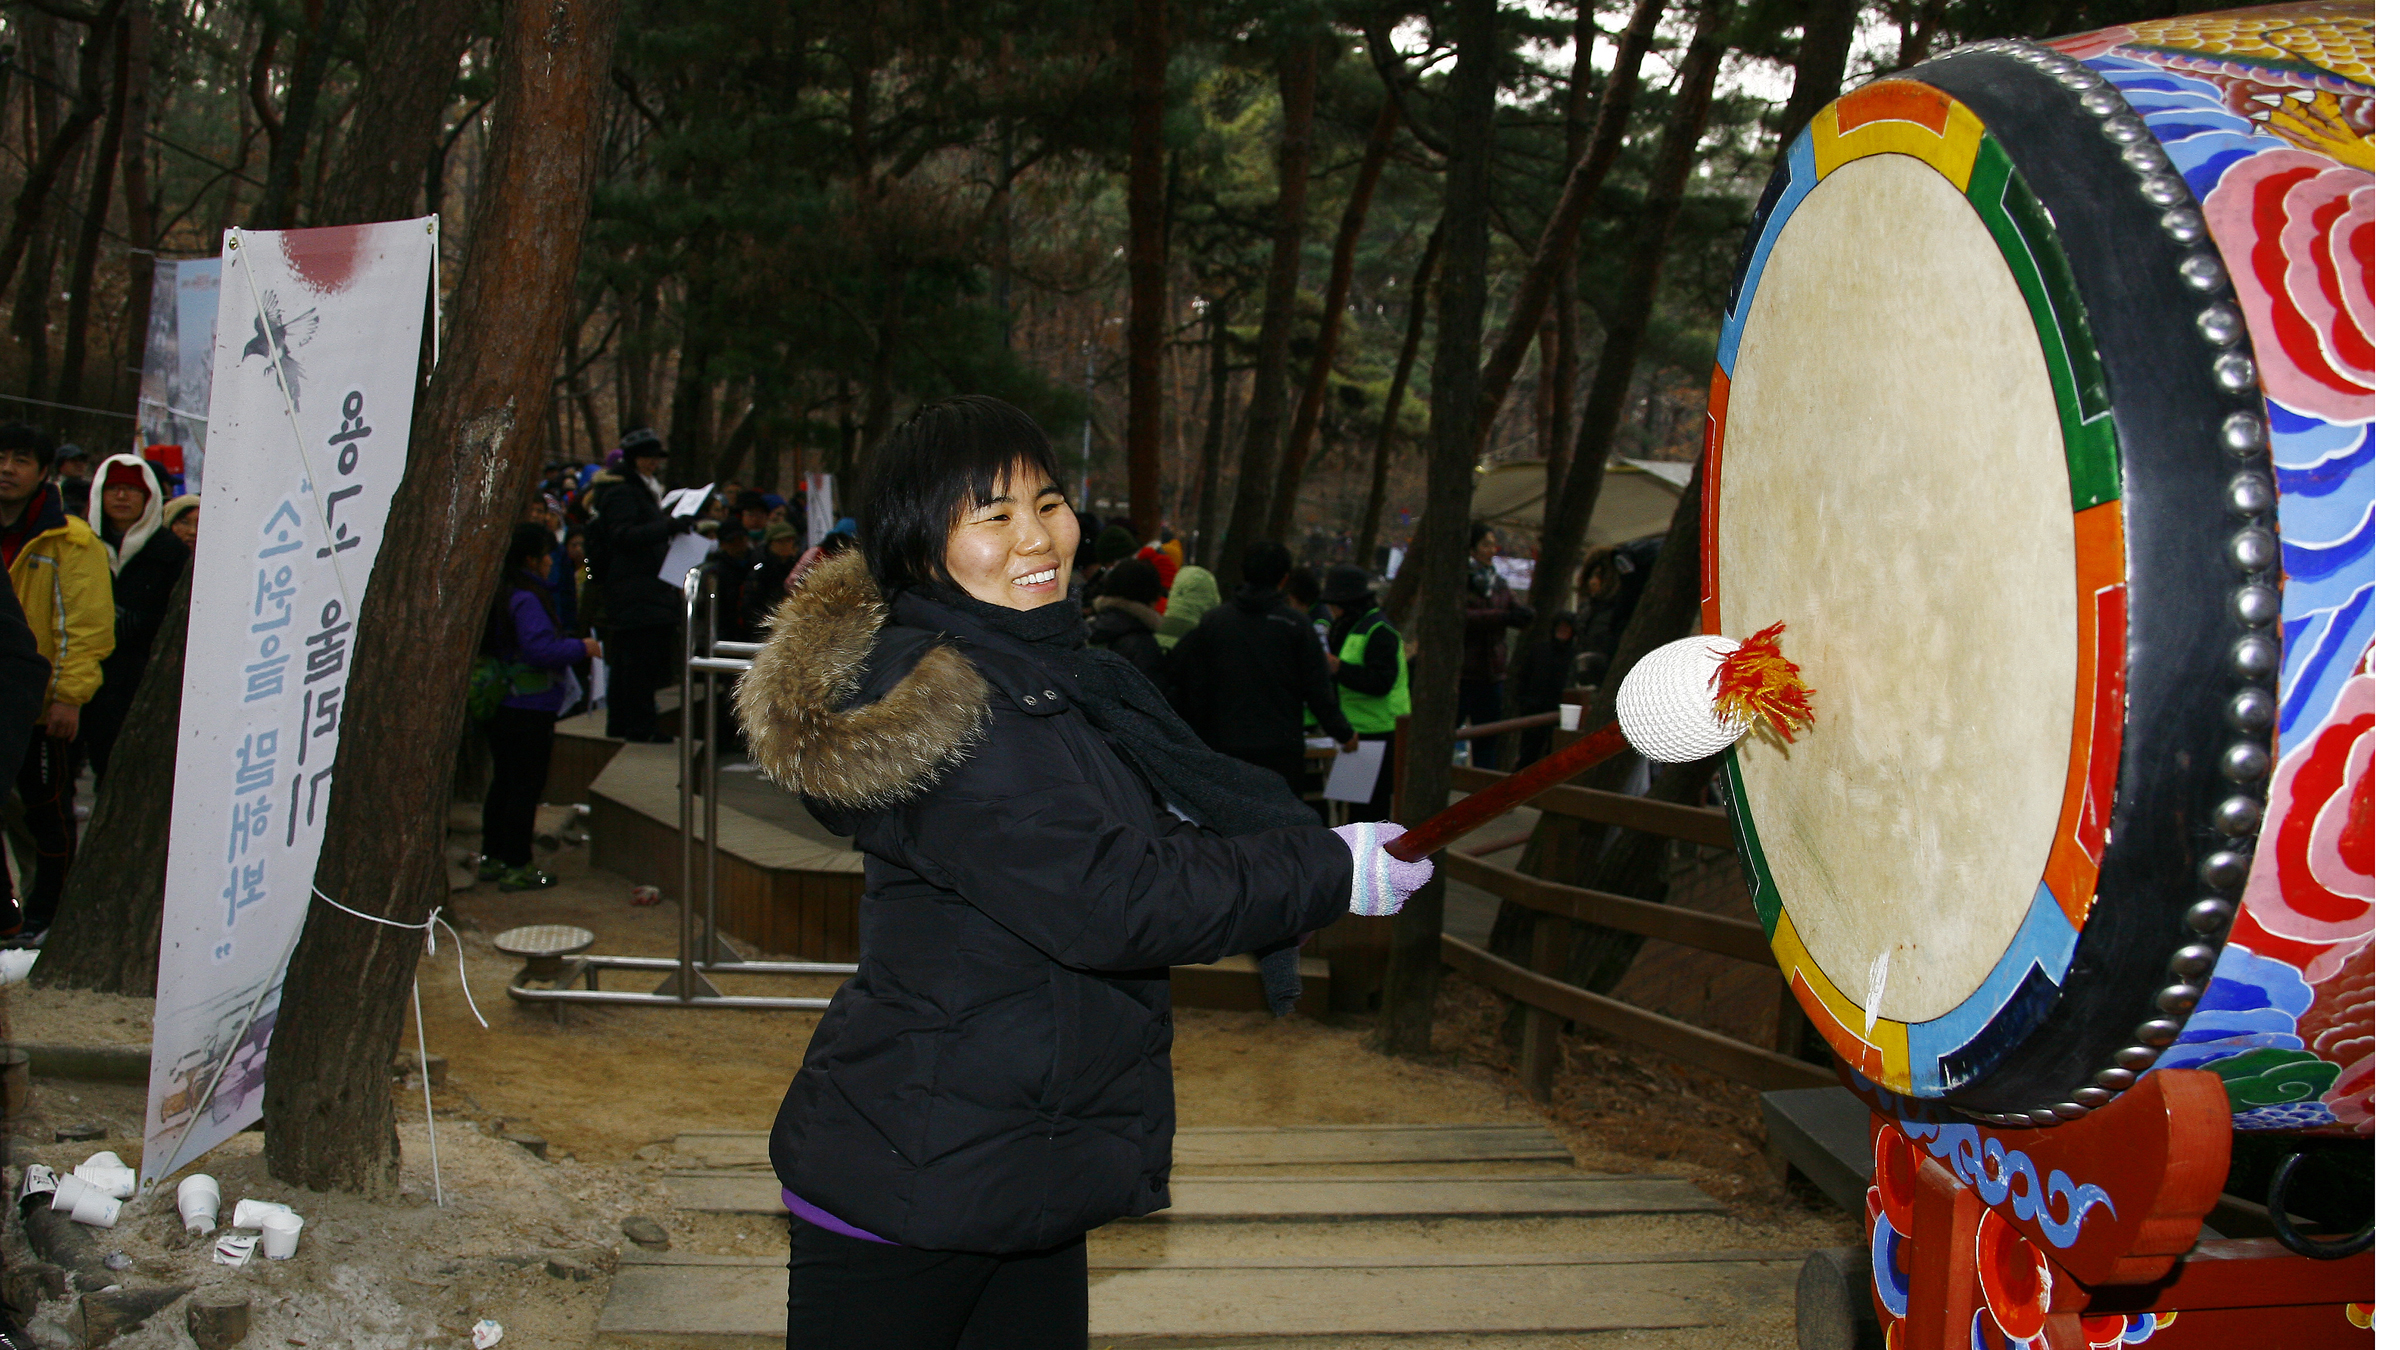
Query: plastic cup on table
{"type": "Point", "coordinates": [197, 1199]}
{"type": "Point", "coordinates": [280, 1235]}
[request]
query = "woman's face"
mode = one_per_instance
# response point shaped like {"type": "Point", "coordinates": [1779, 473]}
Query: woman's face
{"type": "Point", "coordinates": [186, 526]}
{"type": "Point", "coordinates": [121, 504]}
{"type": "Point", "coordinates": [1015, 550]}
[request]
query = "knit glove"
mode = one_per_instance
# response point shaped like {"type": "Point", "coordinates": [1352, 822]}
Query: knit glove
{"type": "Point", "coordinates": [1379, 882]}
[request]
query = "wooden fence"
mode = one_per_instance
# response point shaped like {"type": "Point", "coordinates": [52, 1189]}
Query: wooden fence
{"type": "Point", "coordinates": [1550, 1002]}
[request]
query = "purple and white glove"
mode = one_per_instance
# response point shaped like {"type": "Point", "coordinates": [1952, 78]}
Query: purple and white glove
{"type": "Point", "coordinates": [1379, 882]}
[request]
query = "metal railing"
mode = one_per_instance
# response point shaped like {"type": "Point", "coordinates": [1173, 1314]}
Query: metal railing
{"type": "Point", "coordinates": [697, 955]}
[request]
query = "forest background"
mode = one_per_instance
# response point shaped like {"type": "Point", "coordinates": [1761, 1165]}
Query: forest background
{"type": "Point", "coordinates": [810, 216]}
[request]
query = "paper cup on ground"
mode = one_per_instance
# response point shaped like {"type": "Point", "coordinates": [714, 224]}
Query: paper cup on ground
{"type": "Point", "coordinates": [1570, 717]}
{"type": "Point", "coordinates": [104, 1158]}
{"type": "Point", "coordinates": [39, 1181]}
{"type": "Point", "coordinates": [253, 1213]}
{"type": "Point", "coordinates": [97, 1208]}
{"type": "Point", "coordinates": [197, 1199]}
{"type": "Point", "coordinates": [120, 1182]}
{"type": "Point", "coordinates": [280, 1235]}
{"type": "Point", "coordinates": [71, 1188]}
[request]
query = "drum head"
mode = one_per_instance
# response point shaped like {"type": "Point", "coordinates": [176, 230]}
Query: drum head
{"type": "Point", "coordinates": [1962, 399]}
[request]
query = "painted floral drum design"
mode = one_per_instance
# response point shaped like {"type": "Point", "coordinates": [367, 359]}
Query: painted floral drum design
{"type": "Point", "coordinates": [2044, 416]}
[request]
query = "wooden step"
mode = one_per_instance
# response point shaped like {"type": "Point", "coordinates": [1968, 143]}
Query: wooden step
{"type": "Point", "coordinates": [666, 1294]}
{"type": "Point", "coordinates": [1252, 1145]}
{"type": "Point", "coordinates": [1218, 1198]}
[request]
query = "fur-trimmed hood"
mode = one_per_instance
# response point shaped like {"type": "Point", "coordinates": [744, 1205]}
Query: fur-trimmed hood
{"type": "Point", "coordinates": [795, 702]}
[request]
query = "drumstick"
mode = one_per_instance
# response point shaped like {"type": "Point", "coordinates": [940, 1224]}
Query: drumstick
{"type": "Point", "coordinates": [1460, 817]}
{"type": "Point", "coordinates": [1685, 701]}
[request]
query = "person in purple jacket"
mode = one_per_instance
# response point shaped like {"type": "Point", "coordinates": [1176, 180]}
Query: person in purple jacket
{"type": "Point", "coordinates": [523, 637]}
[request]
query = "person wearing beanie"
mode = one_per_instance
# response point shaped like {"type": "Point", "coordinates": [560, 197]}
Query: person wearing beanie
{"type": "Point", "coordinates": [1116, 545]}
{"type": "Point", "coordinates": [1125, 617]}
{"type": "Point", "coordinates": [146, 559]}
{"type": "Point", "coordinates": [182, 516]}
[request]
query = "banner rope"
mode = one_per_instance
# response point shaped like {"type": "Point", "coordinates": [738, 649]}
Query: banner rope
{"type": "Point", "coordinates": [416, 999]}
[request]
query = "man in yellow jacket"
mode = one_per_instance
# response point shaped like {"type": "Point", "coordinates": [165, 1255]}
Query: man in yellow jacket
{"type": "Point", "coordinates": [59, 571]}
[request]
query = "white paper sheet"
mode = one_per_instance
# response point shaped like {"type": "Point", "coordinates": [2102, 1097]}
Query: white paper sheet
{"type": "Point", "coordinates": [1352, 777]}
{"type": "Point", "coordinates": [687, 501]}
{"type": "Point", "coordinates": [689, 550]}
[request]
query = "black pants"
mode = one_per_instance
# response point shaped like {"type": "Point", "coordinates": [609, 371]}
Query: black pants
{"type": "Point", "coordinates": [1478, 703]}
{"type": "Point", "coordinates": [46, 787]}
{"type": "Point", "coordinates": [640, 663]}
{"type": "Point", "coordinates": [1379, 806]}
{"type": "Point", "coordinates": [851, 1294]}
{"type": "Point", "coordinates": [520, 740]}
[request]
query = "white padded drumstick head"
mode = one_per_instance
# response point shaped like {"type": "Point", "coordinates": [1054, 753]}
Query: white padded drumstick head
{"type": "Point", "coordinates": [1667, 705]}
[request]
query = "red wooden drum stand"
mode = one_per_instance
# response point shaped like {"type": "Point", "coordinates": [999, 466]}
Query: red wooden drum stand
{"type": "Point", "coordinates": [2086, 1236]}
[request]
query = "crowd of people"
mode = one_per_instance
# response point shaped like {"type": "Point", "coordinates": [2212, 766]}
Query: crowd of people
{"type": "Point", "coordinates": [93, 557]}
{"type": "Point", "coordinates": [1286, 656]}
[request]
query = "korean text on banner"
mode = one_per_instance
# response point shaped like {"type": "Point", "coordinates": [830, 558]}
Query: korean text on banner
{"type": "Point", "coordinates": [311, 391]}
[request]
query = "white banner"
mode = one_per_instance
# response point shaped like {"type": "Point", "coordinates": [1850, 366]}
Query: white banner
{"type": "Point", "coordinates": [176, 358]}
{"type": "Point", "coordinates": [314, 382]}
{"type": "Point", "coordinates": [821, 517]}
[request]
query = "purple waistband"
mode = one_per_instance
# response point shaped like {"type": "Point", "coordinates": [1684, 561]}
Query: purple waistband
{"type": "Point", "coordinates": [803, 1210]}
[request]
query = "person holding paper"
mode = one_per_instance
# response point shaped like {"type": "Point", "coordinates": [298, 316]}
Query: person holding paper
{"type": "Point", "coordinates": [1370, 671]}
{"type": "Point", "coordinates": [629, 538]}
{"type": "Point", "coordinates": [1043, 839]}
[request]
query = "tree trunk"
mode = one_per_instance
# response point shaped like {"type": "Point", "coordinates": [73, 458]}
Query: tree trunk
{"type": "Point", "coordinates": [1404, 365]}
{"type": "Point", "coordinates": [86, 265]}
{"type": "Point", "coordinates": [1569, 850]}
{"type": "Point", "coordinates": [1212, 440]}
{"type": "Point", "coordinates": [1569, 513]}
{"type": "Point", "coordinates": [402, 94]}
{"type": "Point", "coordinates": [141, 211]}
{"type": "Point", "coordinates": [106, 937]}
{"type": "Point", "coordinates": [1415, 967]}
{"type": "Point", "coordinates": [29, 220]}
{"type": "Point", "coordinates": [1565, 226]}
{"type": "Point", "coordinates": [328, 1093]}
{"type": "Point", "coordinates": [1329, 325]}
{"type": "Point", "coordinates": [1567, 303]}
{"type": "Point", "coordinates": [1919, 22]}
{"type": "Point", "coordinates": [279, 203]}
{"type": "Point", "coordinates": [1146, 265]}
{"type": "Point", "coordinates": [1818, 69]}
{"type": "Point", "coordinates": [1296, 80]}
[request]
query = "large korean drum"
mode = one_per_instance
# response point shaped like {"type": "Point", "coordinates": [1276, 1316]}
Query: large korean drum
{"type": "Point", "coordinates": [2045, 417]}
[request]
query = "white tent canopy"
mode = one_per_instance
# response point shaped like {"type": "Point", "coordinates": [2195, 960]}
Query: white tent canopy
{"type": "Point", "coordinates": [1637, 499]}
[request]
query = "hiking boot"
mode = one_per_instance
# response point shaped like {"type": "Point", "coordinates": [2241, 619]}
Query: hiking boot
{"type": "Point", "coordinates": [490, 869]}
{"type": "Point", "coordinates": [526, 878]}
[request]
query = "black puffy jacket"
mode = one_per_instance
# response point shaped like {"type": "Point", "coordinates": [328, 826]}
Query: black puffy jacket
{"type": "Point", "coordinates": [995, 1078]}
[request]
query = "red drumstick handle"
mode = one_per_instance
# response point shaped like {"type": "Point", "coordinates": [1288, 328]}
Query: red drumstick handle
{"type": "Point", "coordinates": [1461, 817]}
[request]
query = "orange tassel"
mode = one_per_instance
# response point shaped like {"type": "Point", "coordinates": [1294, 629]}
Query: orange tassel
{"type": "Point", "coordinates": [1758, 683]}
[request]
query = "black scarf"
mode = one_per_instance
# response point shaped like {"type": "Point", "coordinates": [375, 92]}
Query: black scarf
{"type": "Point", "coordinates": [1224, 794]}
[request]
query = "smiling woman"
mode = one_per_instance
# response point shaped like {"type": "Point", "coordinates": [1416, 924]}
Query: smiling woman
{"type": "Point", "coordinates": [1043, 838]}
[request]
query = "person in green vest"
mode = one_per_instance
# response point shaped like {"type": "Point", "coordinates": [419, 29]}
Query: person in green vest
{"type": "Point", "coordinates": [1370, 671]}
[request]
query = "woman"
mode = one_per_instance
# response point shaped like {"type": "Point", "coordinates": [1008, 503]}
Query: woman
{"type": "Point", "coordinates": [183, 517]}
{"type": "Point", "coordinates": [523, 653]}
{"type": "Point", "coordinates": [146, 561]}
{"type": "Point", "coordinates": [1193, 595]}
{"type": "Point", "coordinates": [994, 1081]}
